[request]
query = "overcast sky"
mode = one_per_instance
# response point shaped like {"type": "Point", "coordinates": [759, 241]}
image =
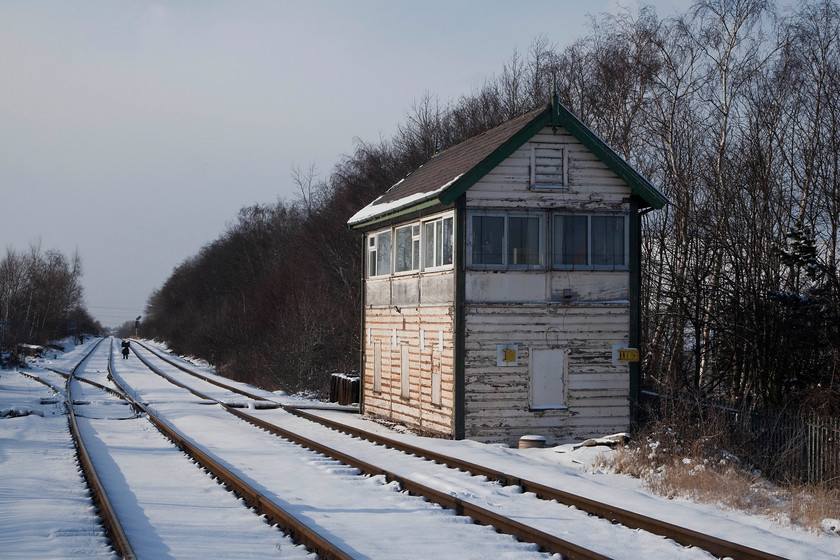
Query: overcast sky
{"type": "Point", "coordinates": [134, 131]}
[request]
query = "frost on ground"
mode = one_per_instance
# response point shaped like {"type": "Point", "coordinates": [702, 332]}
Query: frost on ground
{"type": "Point", "coordinates": [588, 470]}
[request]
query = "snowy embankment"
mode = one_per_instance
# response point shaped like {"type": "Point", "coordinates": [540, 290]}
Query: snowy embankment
{"type": "Point", "coordinates": [162, 493]}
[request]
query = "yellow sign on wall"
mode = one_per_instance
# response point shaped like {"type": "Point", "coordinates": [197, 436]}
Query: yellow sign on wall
{"type": "Point", "coordinates": [628, 355]}
{"type": "Point", "coordinates": [507, 355]}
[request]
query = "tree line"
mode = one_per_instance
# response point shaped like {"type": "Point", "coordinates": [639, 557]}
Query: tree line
{"type": "Point", "coordinates": [732, 108]}
{"type": "Point", "coordinates": [41, 298]}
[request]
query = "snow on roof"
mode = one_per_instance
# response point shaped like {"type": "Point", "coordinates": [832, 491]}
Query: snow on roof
{"type": "Point", "coordinates": [377, 209]}
{"type": "Point", "coordinates": [430, 181]}
{"type": "Point", "coordinates": [475, 156]}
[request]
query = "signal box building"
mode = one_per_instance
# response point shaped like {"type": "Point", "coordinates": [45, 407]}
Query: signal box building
{"type": "Point", "coordinates": [501, 288]}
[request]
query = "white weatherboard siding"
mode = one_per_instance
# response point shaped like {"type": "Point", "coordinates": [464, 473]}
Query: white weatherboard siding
{"type": "Point", "coordinates": [516, 286]}
{"type": "Point", "coordinates": [592, 185]}
{"type": "Point", "coordinates": [420, 338]}
{"type": "Point", "coordinates": [581, 313]}
{"type": "Point", "coordinates": [409, 318]}
{"type": "Point", "coordinates": [498, 398]}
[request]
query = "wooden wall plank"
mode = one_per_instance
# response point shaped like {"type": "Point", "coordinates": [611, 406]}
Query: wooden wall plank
{"type": "Point", "coordinates": [498, 396]}
{"type": "Point", "coordinates": [393, 330]}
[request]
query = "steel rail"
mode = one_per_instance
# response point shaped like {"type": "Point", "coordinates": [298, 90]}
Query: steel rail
{"type": "Point", "coordinates": [100, 386]}
{"type": "Point", "coordinates": [33, 377]}
{"type": "Point", "coordinates": [199, 375]}
{"type": "Point", "coordinates": [682, 535]}
{"type": "Point", "coordinates": [546, 541]}
{"type": "Point", "coordinates": [113, 527]}
{"type": "Point", "coordinates": [296, 529]}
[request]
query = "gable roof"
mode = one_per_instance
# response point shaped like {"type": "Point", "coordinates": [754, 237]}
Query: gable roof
{"type": "Point", "coordinates": [450, 173]}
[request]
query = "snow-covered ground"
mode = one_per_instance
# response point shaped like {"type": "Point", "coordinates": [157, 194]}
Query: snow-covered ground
{"type": "Point", "coordinates": [45, 511]}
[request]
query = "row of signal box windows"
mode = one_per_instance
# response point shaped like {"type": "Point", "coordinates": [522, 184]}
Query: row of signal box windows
{"type": "Point", "coordinates": [504, 240]}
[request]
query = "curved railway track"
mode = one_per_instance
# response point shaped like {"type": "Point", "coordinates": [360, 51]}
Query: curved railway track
{"type": "Point", "coordinates": [546, 541]}
{"type": "Point", "coordinates": [550, 543]}
{"type": "Point", "coordinates": [299, 531]}
{"type": "Point", "coordinates": [110, 521]}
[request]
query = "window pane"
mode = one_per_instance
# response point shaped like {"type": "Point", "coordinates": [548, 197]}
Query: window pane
{"type": "Point", "coordinates": [429, 244]}
{"type": "Point", "coordinates": [448, 224]}
{"type": "Point", "coordinates": [371, 255]}
{"type": "Point", "coordinates": [383, 253]}
{"type": "Point", "coordinates": [403, 249]}
{"type": "Point", "coordinates": [438, 242]}
{"type": "Point", "coordinates": [372, 262]}
{"type": "Point", "coordinates": [487, 236]}
{"type": "Point", "coordinates": [524, 240]}
{"type": "Point", "coordinates": [608, 240]}
{"type": "Point", "coordinates": [570, 240]}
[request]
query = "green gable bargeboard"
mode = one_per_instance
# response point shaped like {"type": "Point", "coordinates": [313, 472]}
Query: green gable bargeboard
{"type": "Point", "coordinates": [461, 166]}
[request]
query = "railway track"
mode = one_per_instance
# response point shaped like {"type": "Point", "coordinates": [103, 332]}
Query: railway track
{"type": "Point", "coordinates": [110, 520]}
{"type": "Point", "coordinates": [292, 524]}
{"type": "Point", "coordinates": [309, 536]}
{"type": "Point", "coordinates": [547, 541]}
{"type": "Point", "coordinates": [299, 531]}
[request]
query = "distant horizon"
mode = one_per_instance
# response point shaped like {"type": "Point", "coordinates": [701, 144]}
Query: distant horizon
{"type": "Point", "coordinates": [134, 133]}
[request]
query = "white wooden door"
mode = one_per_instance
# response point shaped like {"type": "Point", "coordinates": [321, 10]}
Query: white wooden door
{"type": "Point", "coordinates": [548, 378]}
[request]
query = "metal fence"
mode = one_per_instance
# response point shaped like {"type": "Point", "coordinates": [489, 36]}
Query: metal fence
{"type": "Point", "coordinates": [799, 446]}
{"type": "Point", "coordinates": [794, 446]}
